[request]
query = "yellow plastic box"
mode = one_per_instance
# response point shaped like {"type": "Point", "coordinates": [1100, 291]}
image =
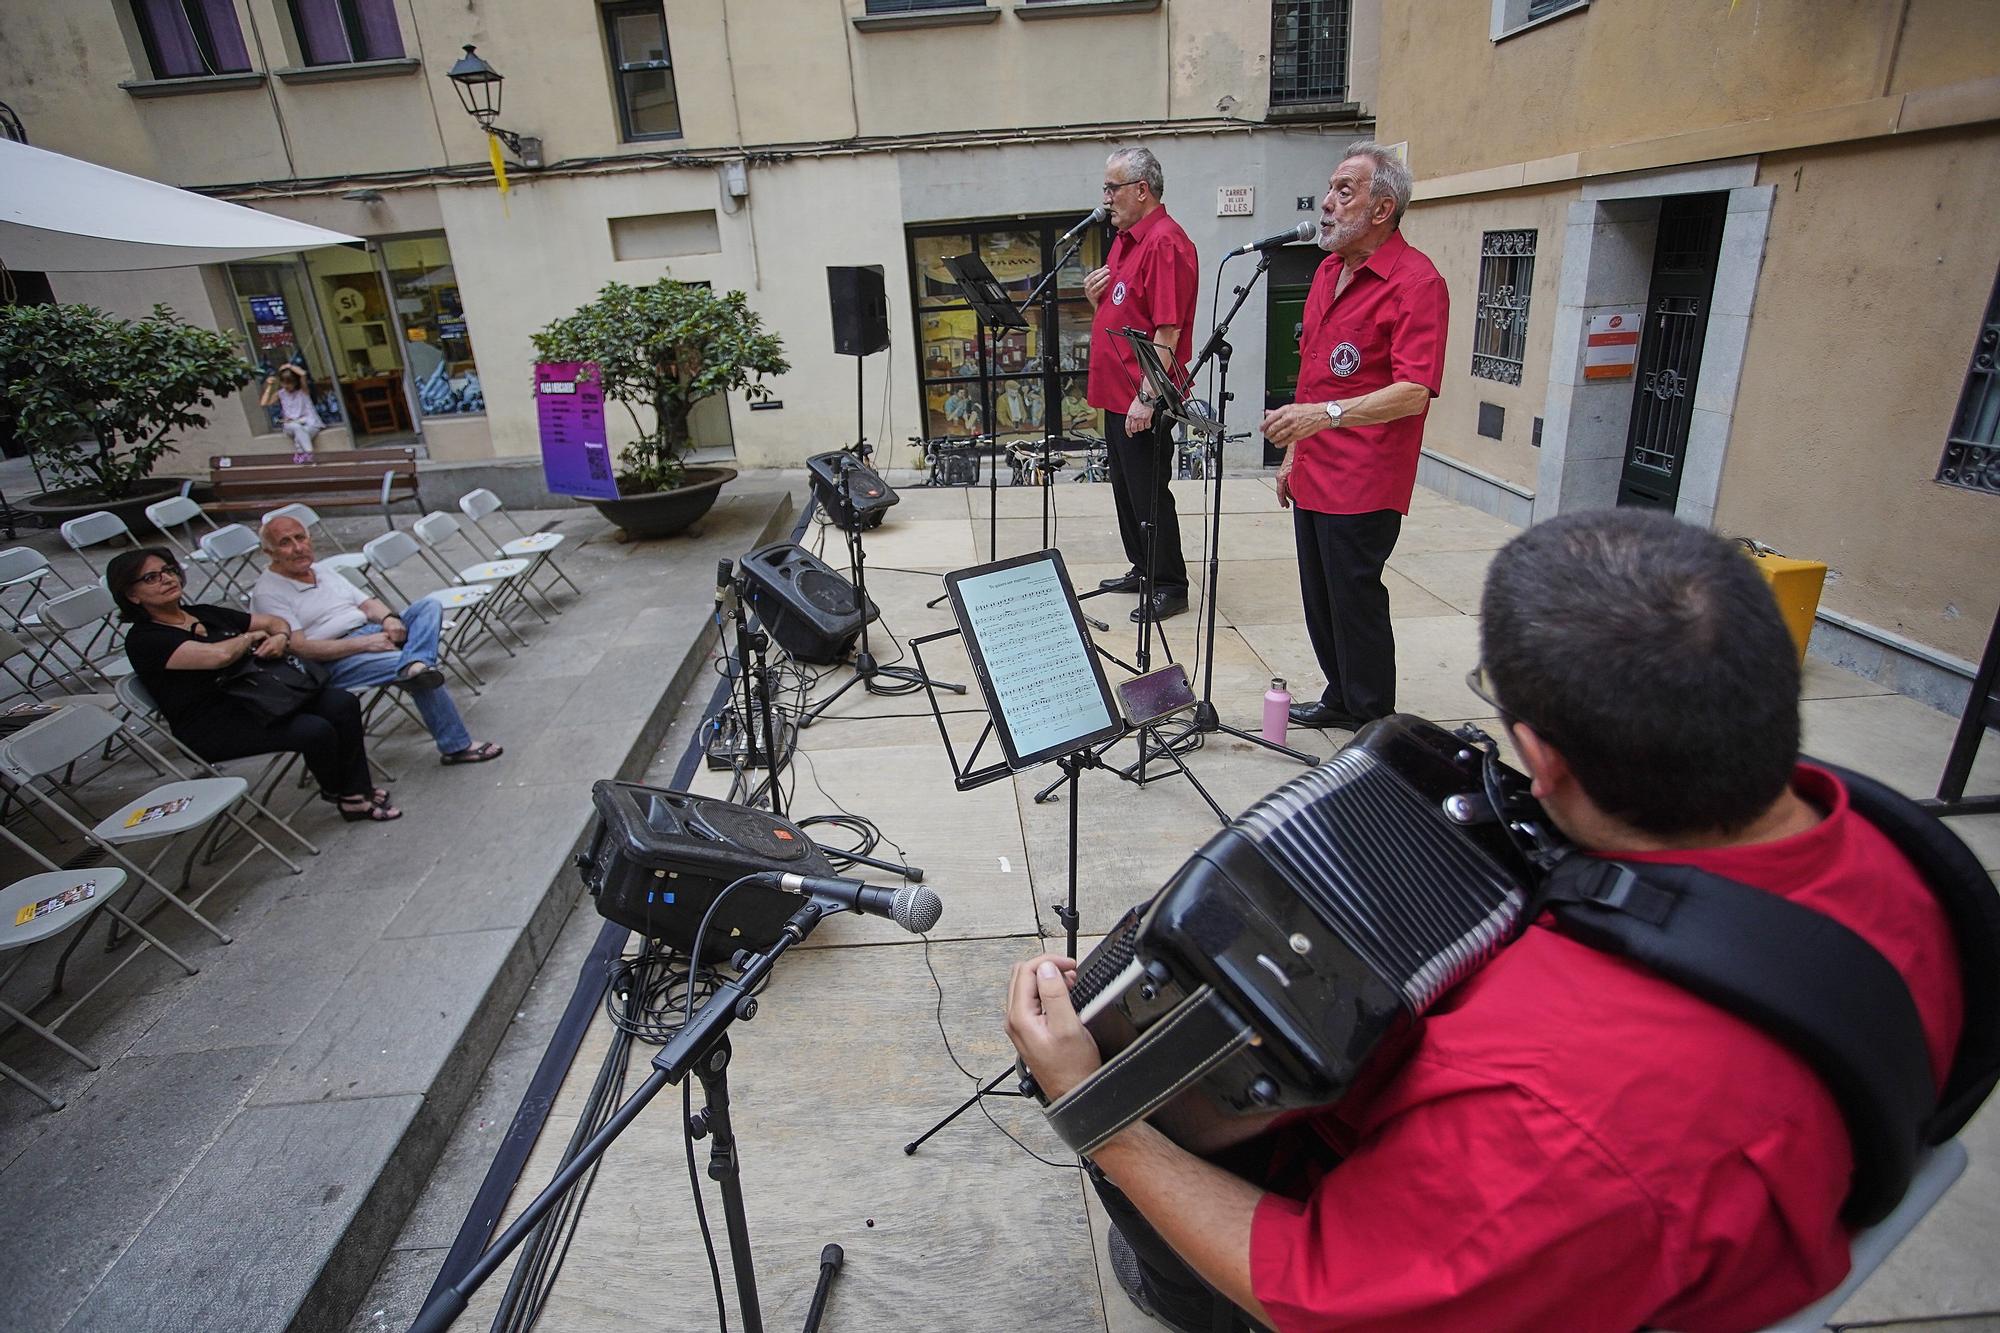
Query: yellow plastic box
{"type": "Point", "coordinates": [1796, 584]}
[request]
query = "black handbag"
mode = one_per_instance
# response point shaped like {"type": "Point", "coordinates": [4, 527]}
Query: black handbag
{"type": "Point", "coordinates": [272, 690]}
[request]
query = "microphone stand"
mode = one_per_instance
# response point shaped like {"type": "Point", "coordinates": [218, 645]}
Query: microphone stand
{"type": "Point", "coordinates": [700, 1047]}
{"type": "Point", "coordinates": [1217, 349]}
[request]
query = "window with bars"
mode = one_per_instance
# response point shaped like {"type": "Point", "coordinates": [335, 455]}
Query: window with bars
{"type": "Point", "coordinates": [186, 39]}
{"type": "Point", "coordinates": [1541, 9]}
{"type": "Point", "coordinates": [642, 71]}
{"type": "Point", "coordinates": [1972, 449]}
{"type": "Point", "coordinates": [345, 32]}
{"type": "Point", "coordinates": [911, 6]}
{"type": "Point", "coordinates": [1500, 330]}
{"type": "Point", "coordinates": [1308, 51]}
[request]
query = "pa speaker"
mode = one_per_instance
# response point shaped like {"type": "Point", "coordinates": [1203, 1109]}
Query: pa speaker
{"type": "Point", "coordinates": [813, 613]}
{"type": "Point", "coordinates": [658, 859]}
{"type": "Point", "coordinates": [860, 309]}
{"type": "Point", "coordinates": [853, 494]}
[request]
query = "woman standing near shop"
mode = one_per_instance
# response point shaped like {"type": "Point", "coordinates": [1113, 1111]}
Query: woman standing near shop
{"type": "Point", "coordinates": [297, 416]}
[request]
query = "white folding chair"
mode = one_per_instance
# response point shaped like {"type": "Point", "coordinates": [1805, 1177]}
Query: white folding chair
{"type": "Point", "coordinates": [308, 518]}
{"type": "Point", "coordinates": [83, 626]}
{"type": "Point", "coordinates": [540, 547]}
{"type": "Point", "coordinates": [93, 530]}
{"type": "Point", "coordinates": [25, 567]}
{"type": "Point", "coordinates": [466, 603]}
{"type": "Point", "coordinates": [176, 519]}
{"type": "Point", "coordinates": [232, 552]}
{"type": "Point", "coordinates": [31, 758]}
{"type": "Point", "coordinates": [435, 530]}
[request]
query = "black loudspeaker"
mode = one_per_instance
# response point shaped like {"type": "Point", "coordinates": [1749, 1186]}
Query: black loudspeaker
{"type": "Point", "coordinates": [853, 494]}
{"type": "Point", "coordinates": [658, 859]}
{"type": "Point", "coordinates": [813, 613]}
{"type": "Point", "coordinates": [860, 309]}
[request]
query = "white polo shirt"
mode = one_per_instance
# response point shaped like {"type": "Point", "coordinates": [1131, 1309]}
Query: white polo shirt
{"type": "Point", "coordinates": [329, 608]}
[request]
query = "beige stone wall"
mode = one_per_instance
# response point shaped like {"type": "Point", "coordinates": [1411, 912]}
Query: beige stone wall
{"type": "Point", "coordinates": [1612, 73]}
{"type": "Point", "coordinates": [1878, 268]}
{"type": "Point", "coordinates": [1450, 232]}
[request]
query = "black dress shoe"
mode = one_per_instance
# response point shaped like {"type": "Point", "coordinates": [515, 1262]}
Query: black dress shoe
{"type": "Point", "coordinates": [1130, 581]}
{"type": "Point", "coordinates": [1320, 716]}
{"type": "Point", "coordinates": [1166, 602]}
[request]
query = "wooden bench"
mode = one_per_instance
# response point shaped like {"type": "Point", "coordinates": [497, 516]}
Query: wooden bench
{"type": "Point", "coordinates": [255, 484]}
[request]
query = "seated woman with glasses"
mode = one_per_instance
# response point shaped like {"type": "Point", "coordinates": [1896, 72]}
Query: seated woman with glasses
{"type": "Point", "coordinates": [180, 652]}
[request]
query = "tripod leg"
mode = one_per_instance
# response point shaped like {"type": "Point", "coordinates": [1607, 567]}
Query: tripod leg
{"type": "Point", "coordinates": [910, 1148]}
{"type": "Point", "coordinates": [1188, 773]}
{"type": "Point", "coordinates": [713, 1121]}
{"type": "Point", "coordinates": [830, 1260]}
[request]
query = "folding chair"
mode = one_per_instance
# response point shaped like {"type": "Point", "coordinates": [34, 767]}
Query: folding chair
{"type": "Point", "coordinates": [437, 528]}
{"type": "Point", "coordinates": [24, 567]}
{"type": "Point", "coordinates": [308, 518]}
{"type": "Point", "coordinates": [96, 529]}
{"type": "Point", "coordinates": [232, 551]}
{"type": "Point", "coordinates": [101, 654]}
{"type": "Point", "coordinates": [35, 754]}
{"type": "Point", "coordinates": [467, 601]}
{"type": "Point", "coordinates": [175, 519]}
{"type": "Point", "coordinates": [540, 547]}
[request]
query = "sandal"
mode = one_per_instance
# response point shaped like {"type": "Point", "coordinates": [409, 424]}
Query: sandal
{"type": "Point", "coordinates": [473, 754]}
{"type": "Point", "coordinates": [379, 795]}
{"type": "Point", "coordinates": [423, 676]}
{"type": "Point", "coordinates": [373, 813]}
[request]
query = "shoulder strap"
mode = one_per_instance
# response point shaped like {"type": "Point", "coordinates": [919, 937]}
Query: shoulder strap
{"type": "Point", "coordinates": [1798, 974]}
{"type": "Point", "coordinates": [1966, 892]}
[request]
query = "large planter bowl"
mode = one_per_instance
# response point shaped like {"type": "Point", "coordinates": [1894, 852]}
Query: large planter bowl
{"type": "Point", "coordinates": [667, 513]}
{"type": "Point", "coordinates": [57, 507]}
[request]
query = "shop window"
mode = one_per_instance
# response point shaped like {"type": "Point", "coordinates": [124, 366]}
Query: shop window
{"type": "Point", "coordinates": [186, 39]}
{"type": "Point", "coordinates": [1972, 449]}
{"type": "Point", "coordinates": [344, 32]}
{"type": "Point", "coordinates": [424, 289]}
{"type": "Point", "coordinates": [1500, 328]}
{"type": "Point", "coordinates": [1309, 52]}
{"type": "Point", "coordinates": [281, 327]}
{"type": "Point", "coordinates": [1038, 373]}
{"type": "Point", "coordinates": [642, 71]}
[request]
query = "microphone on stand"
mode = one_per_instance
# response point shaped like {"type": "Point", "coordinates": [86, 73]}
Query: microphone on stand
{"type": "Point", "coordinates": [911, 906]}
{"type": "Point", "coordinates": [1305, 230]}
{"type": "Point", "coordinates": [1097, 215]}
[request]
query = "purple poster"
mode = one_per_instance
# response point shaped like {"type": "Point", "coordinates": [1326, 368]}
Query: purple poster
{"type": "Point", "coordinates": [576, 456]}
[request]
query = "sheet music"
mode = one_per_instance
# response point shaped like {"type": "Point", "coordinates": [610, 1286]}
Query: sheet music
{"type": "Point", "coordinates": [1039, 675]}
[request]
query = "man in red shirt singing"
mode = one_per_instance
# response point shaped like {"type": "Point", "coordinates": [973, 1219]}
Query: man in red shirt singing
{"type": "Point", "coordinates": [1148, 283]}
{"type": "Point", "coordinates": [1371, 358]}
{"type": "Point", "coordinates": [1572, 1142]}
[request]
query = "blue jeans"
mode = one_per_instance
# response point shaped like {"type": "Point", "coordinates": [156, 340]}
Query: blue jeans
{"type": "Point", "coordinates": [440, 714]}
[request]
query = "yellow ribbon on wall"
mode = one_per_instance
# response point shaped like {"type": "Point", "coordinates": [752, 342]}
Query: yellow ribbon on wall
{"type": "Point", "coordinates": [499, 163]}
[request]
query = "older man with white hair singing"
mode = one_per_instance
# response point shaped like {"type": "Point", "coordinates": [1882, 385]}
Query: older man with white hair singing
{"type": "Point", "coordinates": [359, 639]}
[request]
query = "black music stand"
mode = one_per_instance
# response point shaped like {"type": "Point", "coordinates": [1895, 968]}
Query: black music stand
{"type": "Point", "coordinates": [991, 309]}
{"type": "Point", "coordinates": [1207, 427]}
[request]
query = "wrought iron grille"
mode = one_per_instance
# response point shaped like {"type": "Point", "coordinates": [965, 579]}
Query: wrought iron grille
{"type": "Point", "coordinates": [1662, 407]}
{"type": "Point", "coordinates": [1972, 450]}
{"type": "Point", "coordinates": [1500, 331]}
{"type": "Point", "coordinates": [1308, 51]}
{"type": "Point", "coordinates": [1541, 9]}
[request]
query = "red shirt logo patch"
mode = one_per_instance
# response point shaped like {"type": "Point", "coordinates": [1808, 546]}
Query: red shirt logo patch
{"type": "Point", "coordinates": [1344, 360]}
{"type": "Point", "coordinates": [1118, 294]}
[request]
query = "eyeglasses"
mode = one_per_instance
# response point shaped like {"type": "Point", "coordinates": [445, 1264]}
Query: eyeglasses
{"type": "Point", "coordinates": [1113, 187]}
{"type": "Point", "coordinates": [1481, 686]}
{"type": "Point", "coordinates": [152, 577]}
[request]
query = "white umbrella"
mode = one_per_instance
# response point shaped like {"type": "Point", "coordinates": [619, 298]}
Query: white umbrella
{"type": "Point", "coordinates": [62, 215]}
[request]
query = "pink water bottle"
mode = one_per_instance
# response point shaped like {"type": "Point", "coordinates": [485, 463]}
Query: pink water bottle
{"type": "Point", "coordinates": [1277, 711]}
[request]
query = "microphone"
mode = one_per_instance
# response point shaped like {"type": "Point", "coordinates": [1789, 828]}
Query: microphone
{"type": "Point", "coordinates": [1304, 230]}
{"type": "Point", "coordinates": [725, 583]}
{"type": "Point", "coordinates": [1096, 216]}
{"type": "Point", "coordinates": [913, 907]}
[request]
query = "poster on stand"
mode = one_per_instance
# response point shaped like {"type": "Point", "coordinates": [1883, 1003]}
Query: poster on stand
{"type": "Point", "coordinates": [576, 453]}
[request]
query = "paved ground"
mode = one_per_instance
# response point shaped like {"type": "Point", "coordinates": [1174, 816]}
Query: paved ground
{"type": "Point", "coordinates": [864, 1038]}
{"type": "Point", "coordinates": [255, 1133]}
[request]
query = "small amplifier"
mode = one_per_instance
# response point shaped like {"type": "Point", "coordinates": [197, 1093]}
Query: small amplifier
{"type": "Point", "coordinates": [853, 494]}
{"type": "Point", "coordinates": [813, 613]}
{"type": "Point", "coordinates": [658, 858]}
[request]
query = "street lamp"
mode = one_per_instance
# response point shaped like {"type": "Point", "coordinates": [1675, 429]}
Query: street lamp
{"type": "Point", "coordinates": [478, 85]}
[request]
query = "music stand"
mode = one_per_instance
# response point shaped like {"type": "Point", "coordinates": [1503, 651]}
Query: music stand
{"type": "Point", "coordinates": [991, 309]}
{"type": "Point", "coordinates": [1204, 425]}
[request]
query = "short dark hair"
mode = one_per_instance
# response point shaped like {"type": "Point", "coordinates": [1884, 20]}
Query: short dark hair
{"type": "Point", "coordinates": [123, 572]}
{"type": "Point", "coordinates": [1651, 654]}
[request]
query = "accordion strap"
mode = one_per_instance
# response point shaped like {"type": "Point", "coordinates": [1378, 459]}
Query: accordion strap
{"type": "Point", "coordinates": [1168, 1058]}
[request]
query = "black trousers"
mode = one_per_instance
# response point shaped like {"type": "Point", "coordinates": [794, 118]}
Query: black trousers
{"type": "Point", "coordinates": [326, 733]}
{"type": "Point", "coordinates": [1141, 467]}
{"type": "Point", "coordinates": [1175, 1289]}
{"type": "Point", "coordinates": [1347, 607]}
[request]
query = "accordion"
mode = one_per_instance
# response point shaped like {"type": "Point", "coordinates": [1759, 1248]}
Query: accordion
{"type": "Point", "coordinates": [1298, 949]}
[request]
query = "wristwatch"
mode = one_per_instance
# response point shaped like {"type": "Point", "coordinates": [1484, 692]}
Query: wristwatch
{"type": "Point", "coordinates": [1333, 412]}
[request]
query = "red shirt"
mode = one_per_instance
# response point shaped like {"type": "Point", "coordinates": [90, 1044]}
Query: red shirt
{"type": "Point", "coordinates": [1153, 285]}
{"type": "Point", "coordinates": [1387, 327]}
{"type": "Point", "coordinates": [1577, 1144]}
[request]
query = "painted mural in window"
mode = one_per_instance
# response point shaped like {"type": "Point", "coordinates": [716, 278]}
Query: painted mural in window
{"type": "Point", "coordinates": [1500, 329]}
{"type": "Point", "coordinates": [1038, 373]}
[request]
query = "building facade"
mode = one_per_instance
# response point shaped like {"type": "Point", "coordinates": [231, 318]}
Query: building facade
{"type": "Point", "coordinates": [1734, 258]}
{"type": "Point", "coordinates": [748, 144]}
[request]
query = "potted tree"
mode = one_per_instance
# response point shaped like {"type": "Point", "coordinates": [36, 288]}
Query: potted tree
{"type": "Point", "coordinates": [665, 347]}
{"type": "Point", "coordinates": [96, 398]}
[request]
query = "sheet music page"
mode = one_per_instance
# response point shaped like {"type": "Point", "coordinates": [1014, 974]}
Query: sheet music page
{"type": "Point", "coordinates": [1039, 678]}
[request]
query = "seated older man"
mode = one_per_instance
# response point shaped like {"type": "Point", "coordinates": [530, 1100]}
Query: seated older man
{"type": "Point", "coordinates": [359, 639]}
